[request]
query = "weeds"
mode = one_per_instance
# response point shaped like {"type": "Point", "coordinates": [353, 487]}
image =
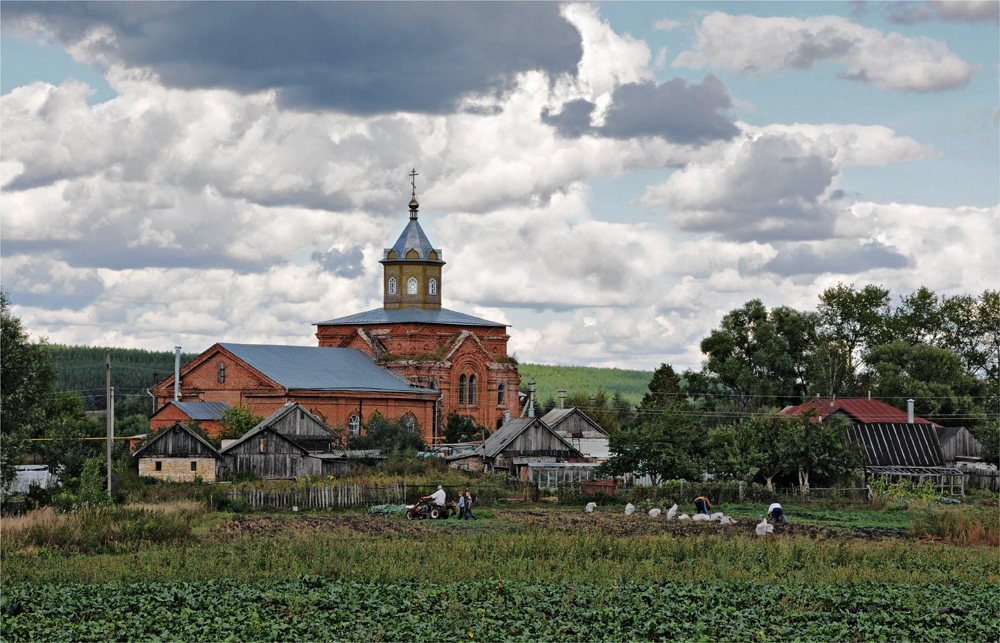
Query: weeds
{"type": "Point", "coordinates": [968, 528]}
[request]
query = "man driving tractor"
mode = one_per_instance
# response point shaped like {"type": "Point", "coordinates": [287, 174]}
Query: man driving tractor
{"type": "Point", "coordinates": [438, 496]}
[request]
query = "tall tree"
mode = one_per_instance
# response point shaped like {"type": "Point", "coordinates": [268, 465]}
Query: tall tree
{"type": "Point", "coordinates": [755, 447]}
{"type": "Point", "coordinates": [762, 356]}
{"type": "Point", "coordinates": [856, 318]}
{"type": "Point", "coordinates": [820, 449]}
{"type": "Point", "coordinates": [27, 378]}
{"type": "Point", "coordinates": [665, 441]}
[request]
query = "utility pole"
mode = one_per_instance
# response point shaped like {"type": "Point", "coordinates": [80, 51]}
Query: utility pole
{"type": "Point", "coordinates": [110, 406]}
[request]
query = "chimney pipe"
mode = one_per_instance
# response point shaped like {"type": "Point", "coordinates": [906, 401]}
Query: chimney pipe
{"type": "Point", "coordinates": [562, 398]}
{"type": "Point", "coordinates": [909, 411]}
{"type": "Point", "coordinates": [177, 373]}
{"type": "Point", "coordinates": [531, 399]}
{"type": "Point", "coordinates": [506, 416]}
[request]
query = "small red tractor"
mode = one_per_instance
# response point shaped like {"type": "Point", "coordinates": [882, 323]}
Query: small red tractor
{"type": "Point", "coordinates": [425, 507]}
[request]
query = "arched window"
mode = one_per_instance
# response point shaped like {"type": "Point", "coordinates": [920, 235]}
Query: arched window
{"type": "Point", "coordinates": [410, 423]}
{"type": "Point", "coordinates": [392, 285]}
{"type": "Point", "coordinates": [354, 425]}
{"type": "Point", "coordinates": [501, 394]}
{"type": "Point", "coordinates": [432, 286]}
{"type": "Point", "coordinates": [472, 390]}
{"type": "Point", "coordinates": [461, 389]}
{"type": "Point", "coordinates": [411, 286]}
{"type": "Point", "coordinates": [499, 422]}
{"type": "Point", "coordinates": [220, 372]}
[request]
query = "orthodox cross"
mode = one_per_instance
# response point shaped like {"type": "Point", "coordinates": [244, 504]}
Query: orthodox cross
{"type": "Point", "coordinates": [413, 180]}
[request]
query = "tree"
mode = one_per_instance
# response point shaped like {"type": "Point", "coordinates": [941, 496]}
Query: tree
{"type": "Point", "coordinates": [462, 428]}
{"type": "Point", "coordinates": [66, 426]}
{"type": "Point", "coordinates": [389, 436]}
{"type": "Point", "coordinates": [855, 318]}
{"type": "Point", "coordinates": [762, 356]}
{"type": "Point", "coordinates": [27, 378]}
{"type": "Point", "coordinates": [948, 394]}
{"type": "Point", "coordinates": [989, 435]}
{"type": "Point", "coordinates": [756, 446]}
{"type": "Point", "coordinates": [820, 449]}
{"type": "Point", "coordinates": [666, 441]}
{"type": "Point", "coordinates": [236, 421]}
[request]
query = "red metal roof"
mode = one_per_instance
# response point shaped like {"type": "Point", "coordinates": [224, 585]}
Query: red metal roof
{"type": "Point", "coordinates": [863, 410]}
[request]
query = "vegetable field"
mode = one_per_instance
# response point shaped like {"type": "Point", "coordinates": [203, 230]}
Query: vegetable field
{"type": "Point", "coordinates": [493, 610]}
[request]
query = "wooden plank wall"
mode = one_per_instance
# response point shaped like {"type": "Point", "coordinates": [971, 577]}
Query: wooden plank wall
{"type": "Point", "coordinates": [177, 443]}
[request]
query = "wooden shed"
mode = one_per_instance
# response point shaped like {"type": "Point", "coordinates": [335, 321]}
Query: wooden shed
{"type": "Point", "coordinates": [900, 450]}
{"type": "Point", "coordinates": [178, 453]}
{"type": "Point", "coordinates": [516, 444]}
{"type": "Point", "coordinates": [290, 443]}
{"type": "Point", "coordinates": [582, 432]}
{"type": "Point", "coordinates": [958, 444]}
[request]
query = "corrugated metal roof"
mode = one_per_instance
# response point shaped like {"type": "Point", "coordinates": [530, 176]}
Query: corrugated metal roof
{"type": "Point", "coordinates": [413, 238]}
{"type": "Point", "coordinates": [556, 416]}
{"type": "Point", "coordinates": [506, 434]}
{"type": "Point", "coordinates": [202, 410]}
{"type": "Point", "coordinates": [863, 409]}
{"type": "Point", "coordinates": [893, 444]}
{"type": "Point", "coordinates": [410, 314]}
{"type": "Point", "coordinates": [320, 368]}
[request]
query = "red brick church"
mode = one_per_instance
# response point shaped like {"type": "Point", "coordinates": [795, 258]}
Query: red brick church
{"type": "Point", "coordinates": [411, 358]}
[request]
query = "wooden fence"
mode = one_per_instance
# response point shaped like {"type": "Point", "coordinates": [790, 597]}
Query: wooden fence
{"type": "Point", "coordinates": [321, 496]}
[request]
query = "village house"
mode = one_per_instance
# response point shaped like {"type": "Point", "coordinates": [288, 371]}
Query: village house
{"type": "Point", "coordinates": [177, 453]}
{"type": "Point", "coordinates": [583, 433]}
{"type": "Point", "coordinates": [514, 446]}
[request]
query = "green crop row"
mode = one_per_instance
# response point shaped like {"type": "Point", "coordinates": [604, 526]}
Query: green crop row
{"type": "Point", "coordinates": [310, 608]}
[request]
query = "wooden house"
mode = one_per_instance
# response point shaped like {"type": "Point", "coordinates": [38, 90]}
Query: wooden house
{"type": "Point", "coordinates": [579, 430]}
{"type": "Point", "coordinates": [178, 453]}
{"type": "Point", "coordinates": [515, 445]}
{"type": "Point", "coordinates": [290, 443]}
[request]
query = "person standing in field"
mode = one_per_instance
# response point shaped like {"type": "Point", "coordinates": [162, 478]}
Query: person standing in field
{"type": "Point", "coordinates": [468, 507]}
{"type": "Point", "coordinates": [461, 506]}
{"type": "Point", "coordinates": [702, 504]}
{"type": "Point", "coordinates": [775, 513]}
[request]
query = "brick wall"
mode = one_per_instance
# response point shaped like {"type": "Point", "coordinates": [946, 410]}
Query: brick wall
{"type": "Point", "coordinates": [178, 469]}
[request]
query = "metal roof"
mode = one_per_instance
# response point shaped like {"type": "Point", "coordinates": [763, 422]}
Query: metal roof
{"type": "Point", "coordinates": [410, 314]}
{"type": "Point", "coordinates": [202, 410]}
{"type": "Point", "coordinates": [413, 238]}
{"type": "Point", "coordinates": [319, 368]}
{"type": "Point", "coordinates": [892, 444]}
{"type": "Point", "coordinates": [556, 416]}
{"type": "Point", "coordinates": [862, 409]}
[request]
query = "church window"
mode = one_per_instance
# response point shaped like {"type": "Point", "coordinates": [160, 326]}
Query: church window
{"type": "Point", "coordinates": [461, 389]}
{"type": "Point", "coordinates": [501, 394]}
{"type": "Point", "coordinates": [410, 423]}
{"type": "Point", "coordinates": [392, 285]}
{"type": "Point", "coordinates": [472, 390]}
{"type": "Point", "coordinates": [411, 286]}
{"type": "Point", "coordinates": [220, 372]}
{"type": "Point", "coordinates": [432, 286]}
{"type": "Point", "coordinates": [354, 425]}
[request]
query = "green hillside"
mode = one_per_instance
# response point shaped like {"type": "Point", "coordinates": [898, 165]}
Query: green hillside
{"type": "Point", "coordinates": [82, 369]}
{"type": "Point", "coordinates": [576, 379]}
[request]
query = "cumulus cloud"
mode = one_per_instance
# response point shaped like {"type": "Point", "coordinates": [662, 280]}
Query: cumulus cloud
{"type": "Point", "coordinates": [677, 111]}
{"type": "Point", "coordinates": [908, 13]}
{"type": "Point", "coordinates": [356, 57]}
{"type": "Point", "coordinates": [759, 46]}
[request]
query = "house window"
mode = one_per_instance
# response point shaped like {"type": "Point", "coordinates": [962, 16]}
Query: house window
{"type": "Point", "coordinates": [263, 444]}
{"type": "Point", "coordinates": [194, 465]}
{"type": "Point", "coordinates": [354, 425]}
{"type": "Point", "coordinates": [501, 394]}
{"type": "Point", "coordinates": [392, 285]}
{"type": "Point", "coordinates": [411, 286]}
{"type": "Point", "coordinates": [432, 286]}
{"type": "Point", "coordinates": [472, 390]}
{"type": "Point", "coordinates": [461, 389]}
{"type": "Point", "coordinates": [220, 372]}
{"type": "Point", "coordinates": [159, 466]}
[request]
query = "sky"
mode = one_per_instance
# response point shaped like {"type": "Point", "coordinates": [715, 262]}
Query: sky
{"type": "Point", "coordinates": [610, 179]}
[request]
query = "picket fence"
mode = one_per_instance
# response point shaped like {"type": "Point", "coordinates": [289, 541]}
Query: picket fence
{"type": "Point", "coordinates": [321, 496]}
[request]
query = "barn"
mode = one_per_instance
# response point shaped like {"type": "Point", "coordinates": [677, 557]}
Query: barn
{"type": "Point", "coordinates": [178, 453]}
{"type": "Point", "coordinates": [514, 446]}
{"type": "Point", "coordinates": [579, 430]}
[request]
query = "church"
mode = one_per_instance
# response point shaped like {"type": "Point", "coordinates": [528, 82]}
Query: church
{"type": "Point", "coordinates": [409, 359]}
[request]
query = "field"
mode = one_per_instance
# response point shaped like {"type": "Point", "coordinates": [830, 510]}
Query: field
{"type": "Point", "coordinates": [521, 572]}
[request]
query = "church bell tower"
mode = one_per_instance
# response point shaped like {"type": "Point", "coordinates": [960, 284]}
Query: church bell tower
{"type": "Point", "coordinates": [412, 267]}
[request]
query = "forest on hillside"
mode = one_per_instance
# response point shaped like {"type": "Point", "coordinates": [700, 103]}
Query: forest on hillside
{"type": "Point", "coordinates": [83, 369]}
{"type": "Point", "coordinates": [575, 380]}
